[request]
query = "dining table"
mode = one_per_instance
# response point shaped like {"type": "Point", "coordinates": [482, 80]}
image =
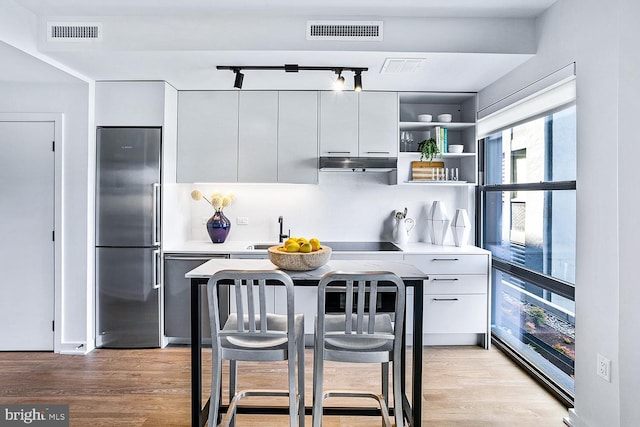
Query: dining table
{"type": "Point", "coordinates": [410, 275]}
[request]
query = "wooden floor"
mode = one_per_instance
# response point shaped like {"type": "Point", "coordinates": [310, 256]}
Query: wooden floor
{"type": "Point", "coordinates": [463, 386]}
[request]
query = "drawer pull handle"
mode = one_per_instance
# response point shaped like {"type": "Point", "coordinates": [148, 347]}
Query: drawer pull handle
{"type": "Point", "coordinates": [444, 259]}
{"type": "Point", "coordinates": [435, 279]}
{"type": "Point", "coordinates": [445, 299]}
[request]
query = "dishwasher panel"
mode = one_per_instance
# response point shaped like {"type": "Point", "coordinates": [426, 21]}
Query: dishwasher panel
{"type": "Point", "coordinates": [177, 298]}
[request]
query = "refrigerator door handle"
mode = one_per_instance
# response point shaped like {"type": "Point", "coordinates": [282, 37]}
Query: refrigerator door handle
{"type": "Point", "coordinates": [156, 262]}
{"type": "Point", "coordinates": [154, 228]}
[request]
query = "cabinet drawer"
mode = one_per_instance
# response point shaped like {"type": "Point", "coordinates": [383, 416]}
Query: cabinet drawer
{"type": "Point", "coordinates": [450, 263]}
{"type": "Point", "coordinates": [455, 284]}
{"type": "Point", "coordinates": [445, 314]}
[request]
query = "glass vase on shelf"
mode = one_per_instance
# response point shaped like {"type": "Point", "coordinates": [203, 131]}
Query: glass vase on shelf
{"type": "Point", "coordinates": [218, 227]}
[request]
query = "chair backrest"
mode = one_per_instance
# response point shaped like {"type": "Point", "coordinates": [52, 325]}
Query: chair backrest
{"type": "Point", "coordinates": [250, 291]}
{"type": "Point", "coordinates": [361, 292]}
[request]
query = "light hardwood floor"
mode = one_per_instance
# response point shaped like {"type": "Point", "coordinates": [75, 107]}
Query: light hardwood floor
{"type": "Point", "coordinates": [463, 386]}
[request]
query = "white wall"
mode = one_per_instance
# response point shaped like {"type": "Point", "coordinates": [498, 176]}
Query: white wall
{"type": "Point", "coordinates": [343, 206]}
{"type": "Point", "coordinates": [598, 38]}
{"type": "Point", "coordinates": [72, 100]}
{"type": "Point", "coordinates": [628, 153]}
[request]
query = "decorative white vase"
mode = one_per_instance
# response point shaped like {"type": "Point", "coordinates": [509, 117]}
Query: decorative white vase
{"type": "Point", "coordinates": [461, 227]}
{"type": "Point", "coordinates": [438, 222]}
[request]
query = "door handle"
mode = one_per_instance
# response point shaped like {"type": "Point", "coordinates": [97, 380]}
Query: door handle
{"type": "Point", "coordinates": [453, 279]}
{"type": "Point", "coordinates": [155, 262]}
{"type": "Point", "coordinates": [445, 299]}
{"type": "Point", "coordinates": [155, 220]}
{"type": "Point", "coordinates": [444, 259]}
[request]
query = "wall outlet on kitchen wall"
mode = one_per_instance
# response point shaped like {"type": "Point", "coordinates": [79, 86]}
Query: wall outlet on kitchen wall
{"type": "Point", "coordinates": [603, 368]}
{"type": "Point", "coordinates": [242, 220]}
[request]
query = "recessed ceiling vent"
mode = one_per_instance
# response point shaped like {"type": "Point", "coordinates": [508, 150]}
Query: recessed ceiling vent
{"type": "Point", "coordinates": [401, 65]}
{"type": "Point", "coordinates": [74, 31]}
{"type": "Point", "coordinates": [344, 30]}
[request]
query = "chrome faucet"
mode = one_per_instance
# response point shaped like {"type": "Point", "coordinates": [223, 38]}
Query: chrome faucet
{"type": "Point", "coordinates": [282, 236]}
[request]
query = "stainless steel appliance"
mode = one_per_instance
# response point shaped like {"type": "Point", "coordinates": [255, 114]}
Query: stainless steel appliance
{"type": "Point", "coordinates": [128, 237]}
{"type": "Point", "coordinates": [177, 297]}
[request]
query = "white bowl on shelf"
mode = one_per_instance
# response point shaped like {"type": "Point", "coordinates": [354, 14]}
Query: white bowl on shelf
{"type": "Point", "coordinates": [456, 148]}
{"type": "Point", "coordinates": [425, 117]}
{"type": "Point", "coordinates": [444, 118]}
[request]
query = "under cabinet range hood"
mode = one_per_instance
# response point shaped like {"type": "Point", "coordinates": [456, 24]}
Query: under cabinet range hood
{"type": "Point", "coordinates": [358, 164]}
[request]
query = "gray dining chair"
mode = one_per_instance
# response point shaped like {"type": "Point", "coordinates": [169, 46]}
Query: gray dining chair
{"type": "Point", "coordinates": [358, 333]}
{"type": "Point", "coordinates": [253, 334]}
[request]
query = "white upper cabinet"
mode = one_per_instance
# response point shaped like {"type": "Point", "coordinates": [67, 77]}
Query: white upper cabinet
{"type": "Point", "coordinates": [298, 137]}
{"type": "Point", "coordinates": [378, 124]}
{"type": "Point", "coordinates": [258, 137]}
{"type": "Point", "coordinates": [356, 124]}
{"type": "Point", "coordinates": [207, 136]}
{"type": "Point", "coordinates": [130, 103]}
{"type": "Point", "coordinates": [338, 124]}
{"type": "Point", "coordinates": [248, 136]}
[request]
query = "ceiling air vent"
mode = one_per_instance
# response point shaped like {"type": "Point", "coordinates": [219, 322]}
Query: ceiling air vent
{"type": "Point", "coordinates": [344, 30]}
{"type": "Point", "coordinates": [74, 31]}
{"type": "Point", "coordinates": [401, 65]}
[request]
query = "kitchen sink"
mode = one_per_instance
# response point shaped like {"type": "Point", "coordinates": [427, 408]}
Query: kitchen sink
{"type": "Point", "coordinates": [261, 246]}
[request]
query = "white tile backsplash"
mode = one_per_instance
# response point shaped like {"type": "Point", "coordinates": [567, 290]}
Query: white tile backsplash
{"type": "Point", "coordinates": [343, 206]}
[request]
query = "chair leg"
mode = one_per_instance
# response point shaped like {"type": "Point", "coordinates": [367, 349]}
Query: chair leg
{"type": "Point", "coordinates": [301, 409]}
{"type": "Point", "coordinates": [397, 393]}
{"type": "Point", "coordinates": [291, 370]}
{"type": "Point", "coordinates": [384, 368]}
{"type": "Point", "coordinates": [233, 385]}
{"type": "Point", "coordinates": [318, 366]}
{"type": "Point", "coordinates": [216, 379]}
{"type": "Point", "coordinates": [385, 382]}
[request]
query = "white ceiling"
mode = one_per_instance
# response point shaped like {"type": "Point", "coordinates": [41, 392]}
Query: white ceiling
{"type": "Point", "coordinates": [188, 47]}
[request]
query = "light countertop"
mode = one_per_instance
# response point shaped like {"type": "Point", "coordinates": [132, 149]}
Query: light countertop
{"type": "Point", "coordinates": [242, 248]}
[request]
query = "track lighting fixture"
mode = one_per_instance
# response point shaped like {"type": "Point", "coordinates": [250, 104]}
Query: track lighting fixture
{"type": "Point", "coordinates": [294, 68]}
{"type": "Point", "coordinates": [357, 81]}
{"type": "Point", "coordinates": [339, 84]}
{"type": "Point", "coordinates": [239, 79]}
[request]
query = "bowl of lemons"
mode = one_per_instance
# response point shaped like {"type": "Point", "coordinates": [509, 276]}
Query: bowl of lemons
{"type": "Point", "coordinates": [299, 254]}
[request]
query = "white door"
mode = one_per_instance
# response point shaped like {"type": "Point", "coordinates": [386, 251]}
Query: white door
{"type": "Point", "coordinates": [26, 241]}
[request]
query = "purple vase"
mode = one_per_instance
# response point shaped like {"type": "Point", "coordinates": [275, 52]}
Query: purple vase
{"type": "Point", "coordinates": [218, 227]}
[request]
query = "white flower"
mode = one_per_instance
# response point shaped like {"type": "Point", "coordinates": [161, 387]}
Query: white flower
{"type": "Point", "coordinates": [217, 201]}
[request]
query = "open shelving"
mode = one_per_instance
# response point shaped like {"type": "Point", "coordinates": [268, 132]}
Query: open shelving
{"type": "Point", "coordinates": [461, 131]}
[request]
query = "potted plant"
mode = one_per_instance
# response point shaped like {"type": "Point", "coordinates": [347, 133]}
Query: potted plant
{"type": "Point", "coordinates": [429, 149]}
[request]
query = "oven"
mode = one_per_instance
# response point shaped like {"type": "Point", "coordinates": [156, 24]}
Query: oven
{"type": "Point", "coordinates": [385, 300]}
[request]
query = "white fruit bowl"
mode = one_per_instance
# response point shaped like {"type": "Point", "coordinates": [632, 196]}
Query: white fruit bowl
{"type": "Point", "coordinates": [299, 261]}
{"type": "Point", "coordinates": [456, 148]}
{"type": "Point", "coordinates": [444, 118]}
{"type": "Point", "coordinates": [425, 117]}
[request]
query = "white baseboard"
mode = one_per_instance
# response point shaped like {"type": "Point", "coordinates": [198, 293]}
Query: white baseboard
{"type": "Point", "coordinates": [77, 348]}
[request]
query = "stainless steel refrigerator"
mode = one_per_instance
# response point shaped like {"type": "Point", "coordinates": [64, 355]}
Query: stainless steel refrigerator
{"type": "Point", "coordinates": [128, 237]}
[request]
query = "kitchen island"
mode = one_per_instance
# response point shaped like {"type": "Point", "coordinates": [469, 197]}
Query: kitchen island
{"type": "Point", "coordinates": [412, 277]}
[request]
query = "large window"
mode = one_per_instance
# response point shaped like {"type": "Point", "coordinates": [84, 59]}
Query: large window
{"type": "Point", "coordinates": [528, 213]}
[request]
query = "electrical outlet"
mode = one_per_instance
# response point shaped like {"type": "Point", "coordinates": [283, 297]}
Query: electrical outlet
{"type": "Point", "coordinates": [242, 220]}
{"type": "Point", "coordinates": [603, 369]}
{"type": "Point", "coordinates": [204, 220]}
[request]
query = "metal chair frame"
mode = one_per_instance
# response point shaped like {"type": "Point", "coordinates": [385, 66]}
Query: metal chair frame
{"type": "Point", "coordinates": [253, 334]}
{"type": "Point", "coordinates": [361, 337]}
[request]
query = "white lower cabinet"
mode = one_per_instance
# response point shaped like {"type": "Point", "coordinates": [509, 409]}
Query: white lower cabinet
{"type": "Point", "coordinates": [455, 298]}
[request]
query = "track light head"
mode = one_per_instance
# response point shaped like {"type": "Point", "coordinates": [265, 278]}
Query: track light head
{"type": "Point", "coordinates": [357, 81]}
{"type": "Point", "coordinates": [339, 84]}
{"type": "Point", "coordinates": [239, 79]}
